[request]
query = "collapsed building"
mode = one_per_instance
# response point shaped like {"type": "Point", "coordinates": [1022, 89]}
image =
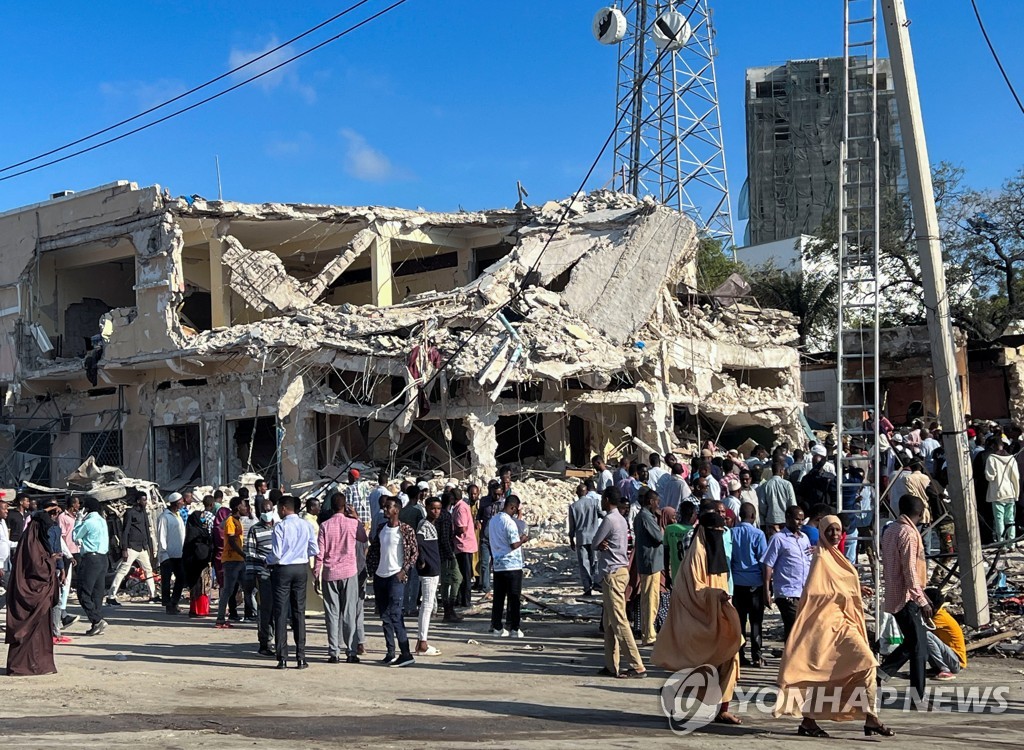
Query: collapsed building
{"type": "Point", "coordinates": [191, 341]}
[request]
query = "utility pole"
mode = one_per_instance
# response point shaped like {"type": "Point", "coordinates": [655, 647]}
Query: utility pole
{"type": "Point", "coordinates": [940, 329]}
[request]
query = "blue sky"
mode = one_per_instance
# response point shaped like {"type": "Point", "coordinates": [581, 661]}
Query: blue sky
{"type": "Point", "coordinates": [440, 104]}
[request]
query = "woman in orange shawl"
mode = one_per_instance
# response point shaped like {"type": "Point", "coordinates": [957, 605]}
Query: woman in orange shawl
{"type": "Point", "coordinates": [828, 669]}
{"type": "Point", "coordinates": [703, 627]}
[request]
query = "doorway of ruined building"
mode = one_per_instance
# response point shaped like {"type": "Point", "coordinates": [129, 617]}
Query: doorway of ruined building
{"type": "Point", "coordinates": [579, 440]}
{"type": "Point", "coordinates": [177, 456]}
{"type": "Point", "coordinates": [520, 438]}
{"type": "Point", "coordinates": [253, 445]}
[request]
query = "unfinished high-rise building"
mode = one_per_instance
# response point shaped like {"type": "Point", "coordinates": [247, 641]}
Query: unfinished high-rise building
{"type": "Point", "coordinates": [794, 131]}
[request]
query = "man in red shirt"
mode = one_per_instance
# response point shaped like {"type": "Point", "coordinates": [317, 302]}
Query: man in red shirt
{"type": "Point", "coordinates": [465, 544]}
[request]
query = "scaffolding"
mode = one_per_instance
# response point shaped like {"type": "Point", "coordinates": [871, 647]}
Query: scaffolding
{"type": "Point", "coordinates": [794, 121]}
{"type": "Point", "coordinates": [668, 143]}
{"type": "Point", "coordinates": [859, 200]}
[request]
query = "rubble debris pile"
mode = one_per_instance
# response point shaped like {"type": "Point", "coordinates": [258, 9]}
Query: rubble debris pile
{"type": "Point", "coordinates": [283, 338]}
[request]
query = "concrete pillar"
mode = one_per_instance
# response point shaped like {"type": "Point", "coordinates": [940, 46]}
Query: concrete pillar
{"type": "Point", "coordinates": [556, 426]}
{"type": "Point", "coordinates": [220, 292]}
{"type": "Point", "coordinates": [380, 268]}
{"type": "Point", "coordinates": [481, 430]}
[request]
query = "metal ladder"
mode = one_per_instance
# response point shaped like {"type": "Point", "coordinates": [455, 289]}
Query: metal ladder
{"type": "Point", "coordinates": [859, 238]}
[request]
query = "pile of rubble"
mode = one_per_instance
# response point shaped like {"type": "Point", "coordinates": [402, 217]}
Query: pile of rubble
{"type": "Point", "coordinates": [740, 324]}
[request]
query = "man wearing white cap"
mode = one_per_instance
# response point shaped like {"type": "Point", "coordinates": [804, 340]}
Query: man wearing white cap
{"type": "Point", "coordinates": [170, 538]}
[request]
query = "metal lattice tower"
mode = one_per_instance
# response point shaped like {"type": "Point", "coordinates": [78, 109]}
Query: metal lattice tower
{"type": "Point", "coordinates": [669, 140]}
{"type": "Point", "coordinates": [859, 239]}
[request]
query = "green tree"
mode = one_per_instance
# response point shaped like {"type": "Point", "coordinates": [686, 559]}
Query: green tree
{"type": "Point", "coordinates": [713, 265]}
{"type": "Point", "coordinates": [811, 296]}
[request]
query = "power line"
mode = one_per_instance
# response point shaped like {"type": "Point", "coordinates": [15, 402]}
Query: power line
{"type": "Point", "coordinates": [995, 55]}
{"type": "Point", "coordinates": [208, 99]}
{"type": "Point", "coordinates": [191, 91]}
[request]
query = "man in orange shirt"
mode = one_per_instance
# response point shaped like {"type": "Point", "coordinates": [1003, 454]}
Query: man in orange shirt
{"type": "Point", "coordinates": [233, 557]}
{"type": "Point", "coordinates": [947, 652]}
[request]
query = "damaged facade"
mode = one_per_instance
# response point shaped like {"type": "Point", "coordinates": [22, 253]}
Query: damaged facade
{"type": "Point", "coordinates": [191, 341]}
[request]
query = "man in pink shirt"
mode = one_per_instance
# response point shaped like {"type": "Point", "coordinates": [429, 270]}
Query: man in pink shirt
{"type": "Point", "coordinates": [465, 543]}
{"type": "Point", "coordinates": [67, 521]}
{"type": "Point", "coordinates": [336, 577]}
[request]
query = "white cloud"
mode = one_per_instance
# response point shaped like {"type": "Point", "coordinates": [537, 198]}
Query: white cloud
{"type": "Point", "coordinates": [286, 76]}
{"type": "Point", "coordinates": [364, 162]}
{"type": "Point", "coordinates": [144, 94]}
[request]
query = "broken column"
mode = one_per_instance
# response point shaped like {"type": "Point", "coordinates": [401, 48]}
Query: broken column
{"type": "Point", "coordinates": [482, 434]}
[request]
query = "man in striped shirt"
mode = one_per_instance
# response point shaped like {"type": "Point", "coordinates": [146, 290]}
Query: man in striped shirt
{"type": "Point", "coordinates": [258, 543]}
{"type": "Point", "coordinates": [357, 496]}
{"type": "Point", "coordinates": [905, 572]}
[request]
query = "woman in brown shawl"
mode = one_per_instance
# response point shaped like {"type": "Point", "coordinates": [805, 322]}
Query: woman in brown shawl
{"type": "Point", "coordinates": [32, 593]}
{"type": "Point", "coordinates": [828, 670]}
{"type": "Point", "coordinates": [703, 627]}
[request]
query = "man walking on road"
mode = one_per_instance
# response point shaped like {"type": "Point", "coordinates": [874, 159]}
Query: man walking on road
{"type": "Point", "coordinates": [90, 534]}
{"type": "Point", "coordinates": [748, 548]}
{"type": "Point", "coordinates": [137, 545]}
{"type": "Point", "coordinates": [905, 571]}
{"type": "Point", "coordinates": [170, 540]}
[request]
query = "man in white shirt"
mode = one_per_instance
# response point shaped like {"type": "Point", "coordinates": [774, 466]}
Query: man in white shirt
{"type": "Point", "coordinates": [602, 474]}
{"type": "Point", "coordinates": [714, 487]}
{"type": "Point", "coordinates": [5, 545]}
{"type": "Point", "coordinates": [170, 538]}
{"type": "Point", "coordinates": [656, 472]}
{"type": "Point", "coordinates": [507, 560]}
{"type": "Point", "coordinates": [928, 446]}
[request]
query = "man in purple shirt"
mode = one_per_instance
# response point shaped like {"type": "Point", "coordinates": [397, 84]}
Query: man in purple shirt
{"type": "Point", "coordinates": [336, 575]}
{"type": "Point", "coordinates": [786, 564]}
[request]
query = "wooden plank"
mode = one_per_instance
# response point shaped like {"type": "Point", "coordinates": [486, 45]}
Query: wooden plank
{"type": "Point", "coordinates": [991, 640]}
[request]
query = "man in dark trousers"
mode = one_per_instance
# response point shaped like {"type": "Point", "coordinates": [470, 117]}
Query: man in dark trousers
{"type": "Point", "coordinates": [137, 536]}
{"type": "Point", "coordinates": [787, 561]}
{"type": "Point", "coordinates": [293, 543]}
{"type": "Point", "coordinates": [748, 547]}
{"type": "Point", "coordinates": [906, 574]}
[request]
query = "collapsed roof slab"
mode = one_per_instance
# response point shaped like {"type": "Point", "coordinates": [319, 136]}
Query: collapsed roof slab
{"type": "Point", "coordinates": [616, 287]}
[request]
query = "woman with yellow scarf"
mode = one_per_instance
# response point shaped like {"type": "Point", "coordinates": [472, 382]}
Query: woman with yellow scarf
{"type": "Point", "coordinates": [828, 669]}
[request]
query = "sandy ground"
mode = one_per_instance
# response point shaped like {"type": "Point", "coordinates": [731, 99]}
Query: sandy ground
{"type": "Point", "coordinates": [158, 681]}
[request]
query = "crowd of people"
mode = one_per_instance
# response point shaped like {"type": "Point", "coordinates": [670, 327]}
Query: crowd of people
{"type": "Point", "coordinates": [687, 557]}
{"type": "Point", "coordinates": [273, 560]}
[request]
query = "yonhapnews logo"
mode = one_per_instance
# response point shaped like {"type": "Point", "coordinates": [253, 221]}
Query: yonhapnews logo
{"type": "Point", "coordinates": [691, 698]}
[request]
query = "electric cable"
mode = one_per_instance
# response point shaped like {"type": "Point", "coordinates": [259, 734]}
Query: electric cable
{"type": "Point", "coordinates": [208, 99]}
{"type": "Point", "coordinates": [995, 55]}
{"type": "Point", "coordinates": [191, 91]}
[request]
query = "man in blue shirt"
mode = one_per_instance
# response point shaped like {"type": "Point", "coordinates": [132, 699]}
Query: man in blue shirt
{"type": "Point", "coordinates": [292, 544]}
{"type": "Point", "coordinates": [90, 534]}
{"type": "Point", "coordinates": [748, 547]}
{"type": "Point", "coordinates": [786, 564]}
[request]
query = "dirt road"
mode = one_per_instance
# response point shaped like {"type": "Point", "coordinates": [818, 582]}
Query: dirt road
{"type": "Point", "coordinates": [158, 681]}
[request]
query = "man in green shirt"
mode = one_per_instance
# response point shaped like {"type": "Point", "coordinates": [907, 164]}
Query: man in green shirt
{"type": "Point", "coordinates": [679, 534]}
